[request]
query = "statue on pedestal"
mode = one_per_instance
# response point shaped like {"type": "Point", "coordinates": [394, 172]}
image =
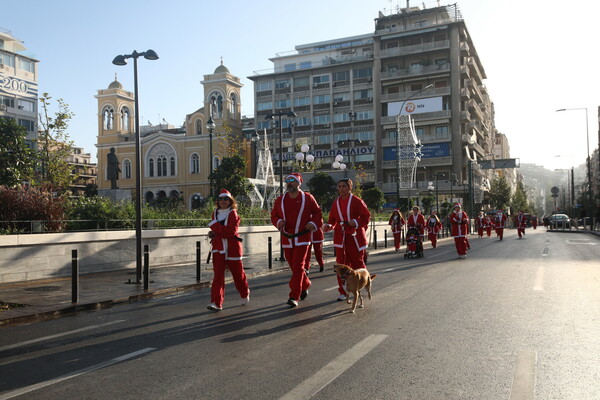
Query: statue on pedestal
{"type": "Point", "coordinates": [112, 169]}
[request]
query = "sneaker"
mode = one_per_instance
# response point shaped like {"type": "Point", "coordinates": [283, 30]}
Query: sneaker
{"type": "Point", "coordinates": [307, 271]}
{"type": "Point", "coordinates": [321, 268]}
{"type": "Point", "coordinates": [341, 297]}
{"type": "Point", "coordinates": [292, 303]}
{"type": "Point", "coordinates": [303, 294]}
{"type": "Point", "coordinates": [245, 300]}
{"type": "Point", "coordinates": [214, 307]}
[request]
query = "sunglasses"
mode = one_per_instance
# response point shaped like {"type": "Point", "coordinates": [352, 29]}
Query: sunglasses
{"type": "Point", "coordinates": [223, 198]}
{"type": "Point", "coordinates": [290, 180]}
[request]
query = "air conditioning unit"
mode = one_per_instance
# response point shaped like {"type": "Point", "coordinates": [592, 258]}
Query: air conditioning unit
{"type": "Point", "coordinates": [335, 103]}
{"type": "Point", "coordinates": [2, 107]}
{"type": "Point", "coordinates": [20, 107]}
{"type": "Point", "coordinates": [370, 80]}
{"type": "Point", "coordinates": [369, 99]}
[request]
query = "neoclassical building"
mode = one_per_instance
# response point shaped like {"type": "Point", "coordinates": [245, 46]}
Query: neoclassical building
{"type": "Point", "coordinates": [175, 161]}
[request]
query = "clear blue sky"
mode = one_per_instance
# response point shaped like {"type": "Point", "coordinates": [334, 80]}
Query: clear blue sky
{"type": "Point", "coordinates": [538, 56]}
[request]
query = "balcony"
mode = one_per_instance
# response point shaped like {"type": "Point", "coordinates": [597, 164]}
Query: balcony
{"type": "Point", "coordinates": [415, 71]}
{"type": "Point", "coordinates": [405, 95]}
{"type": "Point", "coordinates": [418, 48]}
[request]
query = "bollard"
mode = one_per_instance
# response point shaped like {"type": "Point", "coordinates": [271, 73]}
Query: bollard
{"type": "Point", "coordinates": [146, 267]}
{"type": "Point", "coordinates": [270, 253]}
{"type": "Point", "coordinates": [375, 239]}
{"type": "Point", "coordinates": [74, 277]}
{"type": "Point", "coordinates": [198, 263]}
{"type": "Point", "coordinates": [385, 238]}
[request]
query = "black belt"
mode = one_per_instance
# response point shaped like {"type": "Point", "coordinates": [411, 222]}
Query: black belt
{"type": "Point", "coordinates": [294, 235]}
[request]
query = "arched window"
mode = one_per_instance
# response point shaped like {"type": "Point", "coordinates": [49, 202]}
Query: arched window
{"type": "Point", "coordinates": [108, 118]}
{"type": "Point", "coordinates": [198, 127]}
{"type": "Point", "coordinates": [127, 169]}
{"type": "Point", "coordinates": [151, 167]}
{"type": "Point", "coordinates": [125, 116]}
{"type": "Point", "coordinates": [172, 166]}
{"type": "Point", "coordinates": [161, 166]}
{"type": "Point", "coordinates": [195, 164]}
{"type": "Point", "coordinates": [232, 105]}
{"type": "Point", "coordinates": [149, 196]}
{"type": "Point", "coordinates": [216, 162]}
{"type": "Point", "coordinates": [216, 105]}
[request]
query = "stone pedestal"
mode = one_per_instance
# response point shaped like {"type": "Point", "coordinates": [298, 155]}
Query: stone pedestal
{"type": "Point", "coordinates": [116, 195]}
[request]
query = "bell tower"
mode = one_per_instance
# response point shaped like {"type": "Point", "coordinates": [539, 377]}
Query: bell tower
{"type": "Point", "coordinates": [115, 114]}
{"type": "Point", "coordinates": [222, 98]}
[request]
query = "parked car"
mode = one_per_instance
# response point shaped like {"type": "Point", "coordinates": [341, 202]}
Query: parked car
{"type": "Point", "coordinates": [560, 221]}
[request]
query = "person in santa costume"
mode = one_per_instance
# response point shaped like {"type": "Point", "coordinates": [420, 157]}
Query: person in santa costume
{"type": "Point", "coordinates": [500, 224]}
{"type": "Point", "coordinates": [416, 220]}
{"type": "Point", "coordinates": [226, 251]}
{"type": "Point", "coordinates": [534, 222]}
{"type": "Point", "coordinates": [397, 222]}
{"type": "Point", "coordinates": [316, 241]}
{"type": "Point", "coordinates": [489, 225]}
{"type": "Point", "coordinates": [349, 218]}
{"type": "Point", "coordinates": [296, 214]}
{"type": "Point", "coordinates": [434, 225]}
{"type": "Point", "coordinates": [480, 223]}
{"type": "Point", "coordinates": [521, 223]}
{"type": "Point", "coordinates": [459, 221]}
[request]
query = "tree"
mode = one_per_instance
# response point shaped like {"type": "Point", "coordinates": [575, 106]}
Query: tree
{"type": "Point", "coordinates": [499, 193]}
{"type": "Point", "coordinates": [230, 175]}
{"type": "Point", "coordinates": [16, 158]}
{"type": "Point", "coordinates": [519, 199]}
{"type": "Point", "coordinates": [322, 187]}
{"type": "Point", "coordinates": [427, 202]}
{"type": "Point", "coordinates": [373, 198]}
{"type": "Point", "coordinates": [54, 145]}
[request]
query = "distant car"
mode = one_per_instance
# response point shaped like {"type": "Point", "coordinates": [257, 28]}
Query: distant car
{"type": "Point", "coordinates": [560, 221]}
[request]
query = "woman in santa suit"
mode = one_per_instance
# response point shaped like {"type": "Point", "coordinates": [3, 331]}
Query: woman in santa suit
{"type": "Point", "coordinates": [489, 225]}
{"type": "Point", "coordinates": [416, 220]}
{"type": "Point", "coordinates": [433, 225]}
{"type": "Point", "coordinates": [397, 222]}
{"type": "Point", "coordinates": [226, 251]}
{"type": "Point", "coordinates": [460, 223]}
{"type": "Point", "coordinates": [480, 223]}
{"type": "Point", "coordinates": [349, 218]}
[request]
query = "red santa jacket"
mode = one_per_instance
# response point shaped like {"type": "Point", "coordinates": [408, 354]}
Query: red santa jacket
{"type": "Point", "coordinates": [433, 225]}
{"type": "Point", "coordinates": [306, 211]}
{"type": "Point", "coordinates": [500, 220]}
{"type": "Point", "coordinates": [480, 222]}
{"type": "Point", "coordinates": [317, 236]}
{"type": "Point", "coordinates": [460, 224]}
{"type": "Point", "coordinates": [356, 211]}
{"type": "Point", "coordinates": [417, 222]}
{"type": "Point", "coordinates": [397, 223]}
{"type": "Point", "coordinates": [521, 221]}
{"type": "Point", "coordinates": [226, 236]}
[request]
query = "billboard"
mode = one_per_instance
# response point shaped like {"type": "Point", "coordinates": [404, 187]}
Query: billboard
{"type": "Point", "coordinates": [416, 106]}
{"type": "Point", "coordinates": [431, 150]}
{"type": "Point", "coordinates": [16, 86]}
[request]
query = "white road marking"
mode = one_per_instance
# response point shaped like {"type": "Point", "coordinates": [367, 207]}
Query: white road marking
{"type": "Point", "coordinates": [539, 279]}
{"type": "Point", "coordinates": [105, 364]}
{"type": "Point", "coordinates": [388, 270]}
{"type": "Point", "coordinates": [580, 241]}
{"type": "Point", "coordinates": [330, 289]}
{"type": "Point", "coordinates": [335, 368]}
{"type": "Point", "coordinates": [50, 337]}
{"type": "Point", "coordinates": [523, 387]}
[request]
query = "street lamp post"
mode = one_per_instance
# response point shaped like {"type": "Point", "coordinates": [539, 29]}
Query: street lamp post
{"type": "Point", "coordinates": [398, 143]}
{"type": "Point", "coordinates": [122, 60]}
{"type": "Point", "coordinates": [348, 142]}
{"type": "Point", "coordinates": [589, 167]}
{"type": "Point", "coordinates": [210, 125]}
{"type": "Point", "coordinates": [279, 114]}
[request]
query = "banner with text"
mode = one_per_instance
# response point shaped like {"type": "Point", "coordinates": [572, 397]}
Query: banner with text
{"type": "Point", "coordinates": [416, 106]}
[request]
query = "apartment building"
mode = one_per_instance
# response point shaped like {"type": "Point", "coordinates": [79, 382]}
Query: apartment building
{"type": "Point", "coordinates": [18, 84]}
{"type": "Point", "coordinates": [83, 169]}
{"type": "Point", "coordinates": [347, 92]}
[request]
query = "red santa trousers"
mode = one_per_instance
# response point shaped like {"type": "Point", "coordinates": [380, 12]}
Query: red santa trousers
{"type": "Point", "coordinates": [488, 230]}
{"type": "Point", "coordinates": [461, 245]}
{"type": "Point", "coordinates": [349, 255]}
{"type": "Point", "coordinates": [397, 240]}
{"type": "Point", "coordinates": [521, 232]}
{"type": "Point", "coordinates": [480, 231]}
{"type": "Point", "coordinates": [318, 249]}
{"type": "Point", "coordinates": [297, 257]}
{"type": "Point", "coordinates": [500, 232]}
{"type": "Point", "coordinates": [433, 239]}
{"type": "Point", "coordinates": [217, 290]}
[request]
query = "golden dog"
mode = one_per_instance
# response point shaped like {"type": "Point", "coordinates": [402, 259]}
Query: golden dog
{"type": "Point", "coordinates": [355, 279]}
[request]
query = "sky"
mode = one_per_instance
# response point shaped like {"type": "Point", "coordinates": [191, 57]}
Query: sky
{"type": "Point", "coordinates": [537, 55]}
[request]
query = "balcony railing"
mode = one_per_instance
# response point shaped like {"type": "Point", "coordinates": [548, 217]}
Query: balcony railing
{"type": "Point", "coordinates": [415, 71]}
{"type": "Point", "coordinates": [417, 48]}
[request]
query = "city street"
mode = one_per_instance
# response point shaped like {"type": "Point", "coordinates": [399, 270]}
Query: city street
{"type": "Point", "coordinates": [517, 319]}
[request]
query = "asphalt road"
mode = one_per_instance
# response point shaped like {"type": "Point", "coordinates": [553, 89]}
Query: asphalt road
{"type": "Point", "coordinates": [517, 319]}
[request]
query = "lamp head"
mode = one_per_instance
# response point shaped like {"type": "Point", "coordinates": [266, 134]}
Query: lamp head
{"type": "Point", "coordinates": [150, 55]}
{"type": "Point", "coordinates": [561, 109]}
{"type": "Point", "coordinates": [291, 114]}
{"type": "Point", "coordinates": [269, 116]}
{"type": "Point", "coordinates": [210, 124]}
{"type": "Point", "coordinates": [120, 60]}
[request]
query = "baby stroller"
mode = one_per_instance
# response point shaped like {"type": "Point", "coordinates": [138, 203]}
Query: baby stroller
{"type": "Point", "coordinates": [414, 245]}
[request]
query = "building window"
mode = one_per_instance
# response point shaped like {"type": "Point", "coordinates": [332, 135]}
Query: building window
{"type": "Point", "coordinates": [216, 104]}
{"type": "Point", "coordinates": [363, 94]}
{"type": "Point", "coordinates": [216, 162]}
{"type": "Point", "coordinates": [341, 117]}
{"type": "Point", "coordinates": [26, 105]}
{"type": "Point", "coordinates": [26, 65]}
{"type": "Point", "coordinates": [125, 118]}
{"type": "Point", "coordinates": [151, 167]}
{"type": "Point", "coordinates": [341, 76]}
{"type": "Point", "coordinates": [363, 73]}
{"type": "Point", "coordinates": [301, 101]}
{"type": "Point", "coordinates": [320, 79]}
{"type": "Point", "coordinates": [366, 114]}
{"type": "Point", "coordinates": [441, 132]}
{"type": "Point", "coordinates": [264, 124]}
{"type": "Point", "coordinates": [161, 166]}
{"type": "Point", "coordinates": [27, 124]}
{"type": "Point", "coordinates": [289, 67]}
{"type": "Point", "coordinates": [302, 121]}
{"type": "Point", "coordinates": [7, 59]}
{"type": "Point", "coordinates": [264, 106]}
{"type": "Point", "coordinates": [7, 101]}
{"type": "Point", "coordinates": [282, 84]}
{"type": "Point", "coordinates": [420, 132]}
{"type": "Point", "coordinates": [305, 64]}
{"type": "Point", "coordinates": [321, 99]}
{"type": "Point", "coordinates": [195, 164]}
{"type": "Point", "coordinates": [108, 118]}
{"type": "Point", "coordinates": [262, 86]}
{"type": "Point", "coordinates": [301, 81]}
{"type": "Point", "coordinates": [172, 166]}
{"type": "Point", "coordinates": [127, 169]}
{"type": "Point", "coordinates": [232, 105]}
{"type": "Point", "coordinates": [321, 119]}
{"type": "Point", "coordinates": [284, 103]}
{"type": "Point", "coordinates": [344, 96]}
{"type": "Point", "coordinates": [198, 127]}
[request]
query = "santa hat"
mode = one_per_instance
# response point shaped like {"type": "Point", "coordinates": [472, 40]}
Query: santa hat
{"type": "Point", "coordinates": [296, 176]}
{"type": "Point", "coordinates": [225, 193]}
{"type": "Point", "coordinates": [457, 205]}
